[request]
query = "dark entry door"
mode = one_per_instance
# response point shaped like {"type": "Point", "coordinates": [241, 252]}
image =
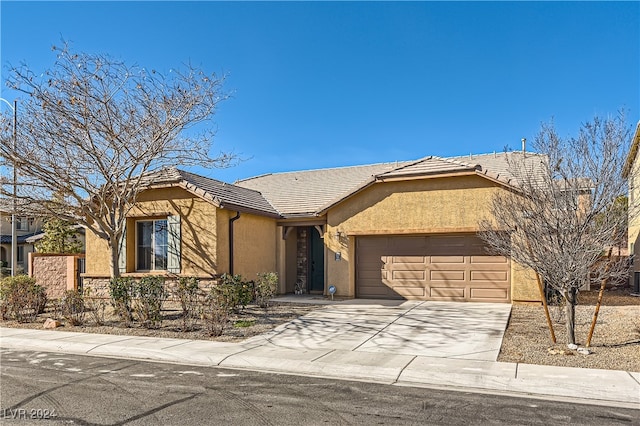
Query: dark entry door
{"type": "Point", "coordinates": [316, 266]}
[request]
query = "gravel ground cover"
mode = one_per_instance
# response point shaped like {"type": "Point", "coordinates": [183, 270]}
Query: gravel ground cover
{"type": "Point", "coordinates": [246, 323]}
{"type": "Point", "coordinates": [615, 344]}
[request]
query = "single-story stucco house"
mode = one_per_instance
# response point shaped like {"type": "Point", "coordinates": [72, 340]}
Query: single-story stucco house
{"type": "Point", "coordinates": [393, 230]}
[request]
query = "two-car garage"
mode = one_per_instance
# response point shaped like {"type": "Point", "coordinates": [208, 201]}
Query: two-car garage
{"type": "Point", "coordinates": [430, 267]}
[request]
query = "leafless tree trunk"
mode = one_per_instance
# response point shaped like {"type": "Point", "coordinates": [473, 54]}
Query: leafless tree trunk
{"type": "Point", "coordinates": [565, 202]}
{"type": "Point", "coordinates": [92, 127]}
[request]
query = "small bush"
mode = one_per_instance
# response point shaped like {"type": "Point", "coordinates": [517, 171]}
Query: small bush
{"type": "Point", "coordinates": [96, 307]}
{"type": "Point", "coordinates": [266, 287]}
{"type": "Point", "coordinates": [215, 312]}
{"type": "Point", "coordinates": [121, 291]}
{"type": "Point", "coordinates": [72, 307]}
{"type": "Point", "coordinates": [21, 298]}
{"type": "Point", "coordinates": [150, 295]}
{"type": "Point", "coordinates": [233, 293]}
{"type": "Point", "coordinates": [188, 293]}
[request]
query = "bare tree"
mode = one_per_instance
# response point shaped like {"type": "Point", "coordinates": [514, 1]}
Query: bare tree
{"type": "Point", "coordinates": [562, 217]}
{"type": "Point", "coordinates": [92, 127]}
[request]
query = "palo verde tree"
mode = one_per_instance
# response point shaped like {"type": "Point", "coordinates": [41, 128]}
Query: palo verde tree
{"type": "Point", "coordinates": [563, 215]}
{"type": "Point", "coordinates": [92, 126]}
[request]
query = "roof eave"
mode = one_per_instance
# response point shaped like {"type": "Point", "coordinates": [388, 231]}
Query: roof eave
{"type": "Point", "coordinates": [633, 152]}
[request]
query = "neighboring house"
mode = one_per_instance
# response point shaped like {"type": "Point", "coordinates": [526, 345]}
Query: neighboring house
{"type": "Point", "coordinates": [632, 173]}
{"type": "Point", "coordinates": [25, 228]}
{"type": "Point", "coordinates": [393, 230]}
{"type": "Point", "coordinates": [79, 236]}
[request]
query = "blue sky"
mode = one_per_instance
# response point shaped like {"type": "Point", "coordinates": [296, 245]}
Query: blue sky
{"type": "Point", "coordinates": [325, 84]}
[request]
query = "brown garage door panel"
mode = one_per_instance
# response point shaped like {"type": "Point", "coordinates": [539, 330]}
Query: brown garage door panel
{"type": "Point", "coordinates": [489, 259]}
{"type": "Point", "coordinates": [410, 292]}
{"type": "Point", "coordinates": [430, 267]}
{"type": "Point", "coordinates": [408, 275]}
{"type": "Point", "coordinates": [447, 275]}
{"type": "Point", "coordinates": [409, 259]}
{"type": "Point", "coordinates": [446, 259]}
{"type": "Point", "coordinates": [494, 276]}
{"type": "Point", "coordinates": [446, 293]}
{"type": "Point", "coordinates": [490, 294]}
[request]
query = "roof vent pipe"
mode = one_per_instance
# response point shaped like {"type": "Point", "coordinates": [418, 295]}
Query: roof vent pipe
{"type": "Point", "coordinates": [524, 145]}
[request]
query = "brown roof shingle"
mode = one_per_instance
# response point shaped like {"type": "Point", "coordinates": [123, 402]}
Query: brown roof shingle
{"type": "Point", "coordinates": [223, 194]}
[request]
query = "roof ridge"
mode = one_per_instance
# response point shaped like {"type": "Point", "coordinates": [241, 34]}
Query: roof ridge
{"type": "Point", "coordinates": [458, 162]}
{"type": "Point", "coordinates": [323, 169]}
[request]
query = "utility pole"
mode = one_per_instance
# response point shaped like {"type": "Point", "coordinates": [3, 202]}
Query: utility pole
{"type": "Point", "coordinates": [14, 230]}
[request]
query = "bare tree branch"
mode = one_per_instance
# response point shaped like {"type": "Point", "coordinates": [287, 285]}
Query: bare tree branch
{"type": "Point", "coordinates": [567, 208]}
{"type": "Point", "coordinates": [92, 126]}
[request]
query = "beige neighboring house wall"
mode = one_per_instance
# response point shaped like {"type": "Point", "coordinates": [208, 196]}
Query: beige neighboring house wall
{"type": "Point", "coordinates": [632, 173]}
{"type": "Point", "coordinates": [29, 226]}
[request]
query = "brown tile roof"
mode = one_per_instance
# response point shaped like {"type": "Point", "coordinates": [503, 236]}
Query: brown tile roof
{"type": "Point", "coordinates": [428, 166]}
{"type": "Point", "coordinates": [222, 194]}
{"type": "Point", "coordinates": [501, 166]}
{"type": "Point", "coordinates": [309, 193]}
{"type": "Point", "coordinates": [304, 193]}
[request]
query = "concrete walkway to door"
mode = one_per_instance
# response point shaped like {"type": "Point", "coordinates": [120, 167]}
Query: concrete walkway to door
{"type": "Point", "coordinates": [471, 331]}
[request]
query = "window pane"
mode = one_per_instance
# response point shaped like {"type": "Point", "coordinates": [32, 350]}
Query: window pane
{"type": "Point", "coordinates": [144, 248]}
{"type": "Point", "coordinates": [160, 244]}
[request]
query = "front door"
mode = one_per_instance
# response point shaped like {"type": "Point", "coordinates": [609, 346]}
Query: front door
{"type": "Point", "coordinates": [316, 264]}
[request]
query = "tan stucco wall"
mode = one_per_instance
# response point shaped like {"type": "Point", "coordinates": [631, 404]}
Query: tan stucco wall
{"type": "Point", "coordinates": [424, 206]}
{"type": "Point", "coordinates": [254, 244]}
{"type": "Point", "coordinates": [204, 232]}
{"type": "Point", "coordinates": [97, 252]}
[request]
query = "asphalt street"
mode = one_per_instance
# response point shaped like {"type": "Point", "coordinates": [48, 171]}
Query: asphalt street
{"type": "Point", "coordinates": [48, 388]}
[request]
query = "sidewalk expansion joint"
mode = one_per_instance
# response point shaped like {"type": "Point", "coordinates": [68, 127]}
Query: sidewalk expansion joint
{"type": "Point", "coordinates": [403, 368]}
{"type": "Point", "coordinates": [633, 377]}
{"type": "Point", "coordinates": [323, 355]}
{"type": "Point", "coordinates": [109, 343]}
{"type": "Point", "coordinates": [178, 344]}
{"type": "Point", "coordinates": [236, 353]}
{"type": "Point", "coordinates": [388, 325]}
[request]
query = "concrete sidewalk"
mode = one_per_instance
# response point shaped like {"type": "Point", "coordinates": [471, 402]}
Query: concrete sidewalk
{"type": "Point", "coordinates": [412, 343]}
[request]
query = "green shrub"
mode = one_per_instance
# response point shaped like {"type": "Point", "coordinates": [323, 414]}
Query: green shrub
{"type": "Point", "coordinates": [21, 298]}
{"type": "Point", "coordinates": [150, 294]}
{"type": "Point", "coordinates": [232, 292]}
{"type": "Point", "coordinates": [188, 293]}
{"type": "Point", "coordinates": [265, 288]}
{"type": "Point", "coordinates": [121, 291]}
{"type": "Point", "coordinates": [72, 307]}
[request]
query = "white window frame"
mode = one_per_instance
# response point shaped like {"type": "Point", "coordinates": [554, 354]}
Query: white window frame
{"type": "Point", "coordinates": [22, 223]}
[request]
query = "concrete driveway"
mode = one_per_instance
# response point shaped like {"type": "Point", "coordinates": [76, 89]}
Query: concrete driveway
{"type": "Point", "coordinates": [433, 329]}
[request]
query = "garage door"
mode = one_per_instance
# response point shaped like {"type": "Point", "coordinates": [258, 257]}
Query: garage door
{"type": "Point", "coordinates": [442, 267]}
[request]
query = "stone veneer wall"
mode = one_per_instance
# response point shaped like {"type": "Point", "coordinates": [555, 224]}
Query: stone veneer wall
{"type": "Point", "coordinates": [302, 261]}
{"type": "Point", "coordinates": [51, 273]}
{"type": "Point", "coordinates": [100, 285]}
{"type": "Point", "coordinates": [55, 272]}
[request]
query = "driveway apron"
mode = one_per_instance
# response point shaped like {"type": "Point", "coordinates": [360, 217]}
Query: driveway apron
{"type": "Point", "coordinates": [433, 329]}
